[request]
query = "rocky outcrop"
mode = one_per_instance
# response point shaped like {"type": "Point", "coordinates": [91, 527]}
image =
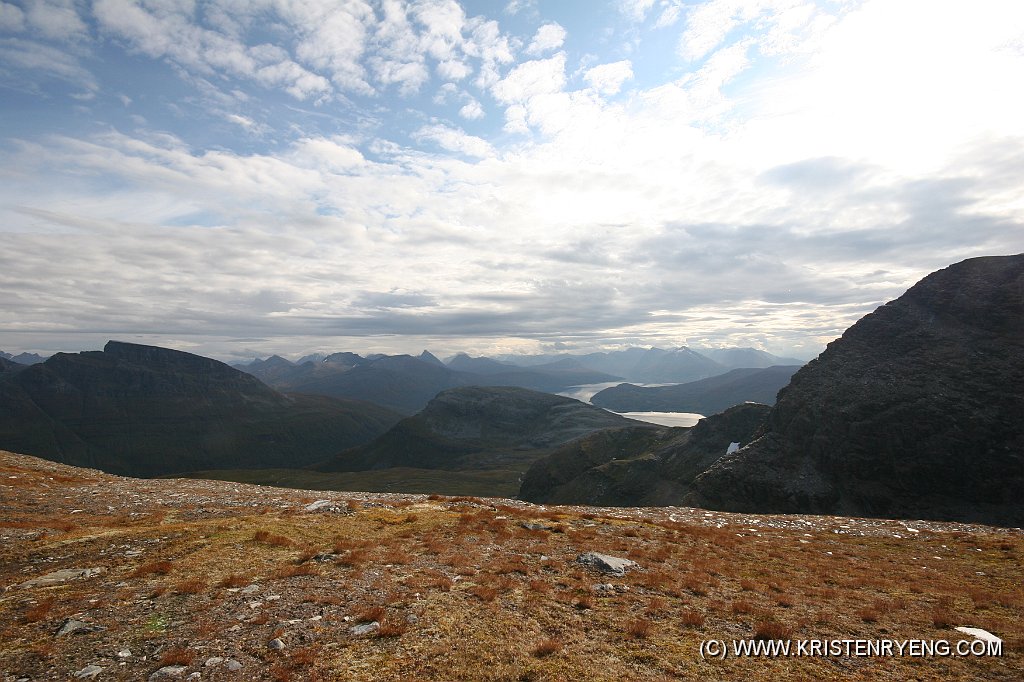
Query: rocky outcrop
{"type": "Point", "coordinates": [916, 411]}
{"type": "Point", "coordinates": [143, 411]}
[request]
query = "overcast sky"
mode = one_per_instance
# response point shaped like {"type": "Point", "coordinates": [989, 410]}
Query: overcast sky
{"type": "Point", "coordinates": [247, 177]}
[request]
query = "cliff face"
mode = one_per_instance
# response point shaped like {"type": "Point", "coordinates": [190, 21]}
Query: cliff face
{"type": "Point", "coordinates": [916, 411]}
{"type": "Point", "coordinates": [143, 410]}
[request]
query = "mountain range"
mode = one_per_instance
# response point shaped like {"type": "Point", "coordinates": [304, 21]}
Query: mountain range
{"type": "Point", "coordinates": [704, 396]}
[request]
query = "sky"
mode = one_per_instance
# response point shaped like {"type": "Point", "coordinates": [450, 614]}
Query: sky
{"type": "Point", "coordinates": [238, 178]}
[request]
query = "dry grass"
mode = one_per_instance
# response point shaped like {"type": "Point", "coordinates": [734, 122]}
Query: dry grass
{"type": "Point", "coordinates": [487, 604]}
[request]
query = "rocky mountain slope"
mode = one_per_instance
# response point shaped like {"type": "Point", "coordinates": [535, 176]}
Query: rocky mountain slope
{"type": "Point", "coordinates": [479, 427]}
{"type": "Point", "coordinates": [112, 578]}
{"type": "Point", "coordinates": [916, 412]}
{"type": "Point", "coordinates": [144, 410]}
{"type": "Point", "coordinates": [705, 396]}
{"type": "Point", "coordinates": [639, 466]}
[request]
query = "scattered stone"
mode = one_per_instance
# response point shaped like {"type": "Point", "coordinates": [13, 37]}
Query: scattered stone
{"type": "Point", "coordinates": [71, 626]}
{"type": "Point", "coordinates": [214, 660]}
{"type": "Point", "coordinates": [168, 671]}
{"type": "Point", "coordinates": [276, 644]}
{"type": "Point", "coordinates": [233, 665]}
{"type": "Point", "coordinates": [612, 565]}
{"type": "Point", "coordinates": [364, 628]}
{"type": "Point", "coordinates": [88, 672]}
{"type": "Point", "coordinates": [412, 619]}
{"type": "Point", "coordinates": [195, 676]}
{"type": "Point", "coordinates": [124, 653]}
{"type": "Point", "coordinates": [319, 504]}
{"type": "Point", "coordinates": [62, 576]}
{"type": "Point", "coordinates": [250, 589]}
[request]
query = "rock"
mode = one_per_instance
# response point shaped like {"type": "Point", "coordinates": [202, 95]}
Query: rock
{"type": "Point", "coordinates": [529, 525]}
{"type": "Point", "coordinates": [325, 557]}
{"type": "Point", "coordinates": [250, 589]}
{"type": "Point", "coordinates": [978, 633]}
{"type": "Point", "coordinates": [605, 563]}
{"type": "Point", "coordinates": [195, 676]}
{"type": "Point", "coordinates": [276, 644]}
{"type": "Point", "coordinates": [917, 411]}
{"type": "Point", "coordinates": [124, 654]}
{"type": "Point", "coordinates": [364, 628]}
{"type": "Point", "coordinates": [233, 665]}
{"type": "Point", "coordinates": [62, 576]}
{"type": "Point", "coordinates": [168, 671]}
{"type": "Point", "coordinates": [88, 672]}
{"type": "Point", "coordinates": [213, 660]}
{"type": "Point", "coordinates": [72, 626]}
{"type": "Point", "coordinates": [319, 504]}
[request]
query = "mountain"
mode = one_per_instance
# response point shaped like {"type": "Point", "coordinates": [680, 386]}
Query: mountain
{"type": "Point", "coordinates": [479, 427]}
{"type": "Point", "coordinates": [735, 358]}
{"type": "Point", "coordinates": [10, 367]}
{"type": "Point", "coordinates": [705, 396]}
{"type": "Point", "coordinates": [643, 365]}
{"type": "Point", "coordinates": [406, 384]}
{"type": "Point", "coordinates": [143, 410]}
{"type": "Point", "coordinates": [23, 358]}
{"type": "Point", "coordinates": [917, 411]}
{"type": "Point", "coordinates": [464, 363]}
{"type": "Point", "coordinates": [638, 466]}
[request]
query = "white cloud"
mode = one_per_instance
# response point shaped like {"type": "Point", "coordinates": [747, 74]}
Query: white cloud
{"type": "Point", "coordinates": [548, 37]}
{"type": "Point", "coordinates": [454, 140]}
{"type": "Point", "coordinates": [55, 19]}
{"type": "Point", "coordinates": [33, 56]}
{"type": "Point", "coordinates": [472, 110]}
{"type": "Point", "coordinates": [11, 17]}
{"type": "Point", "coordinates": [540, 76]}
{"type": "Point", "coordinates": [636, 9]}
{"type": "Point", "coordinates": [607, 79]}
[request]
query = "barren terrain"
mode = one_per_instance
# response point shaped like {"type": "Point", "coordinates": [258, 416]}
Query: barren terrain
{"type": "Point", "coordinates": [116, 578]}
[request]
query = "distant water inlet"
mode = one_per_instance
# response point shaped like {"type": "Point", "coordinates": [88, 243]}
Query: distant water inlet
{"type": "Point", "coordinates": [587, 391]}
{"type": "Point", "coordinates": [665, 418]}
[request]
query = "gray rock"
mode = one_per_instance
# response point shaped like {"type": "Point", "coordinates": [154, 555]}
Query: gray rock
{"type": "Point", "coordinates": [72, 626]}
{"type": "Point", "coordinates": [319, 504]}
{"type": "Point", "coordinates": [250, 589]}
{"type": "Point", "coordinates": [612, 565]}
{"type": "Point", "coordinates": [529, 525]}
{"type": "Point", "coordinates": [214, 660]}
{"type": "Point", "coordinates": [168, 671]}
{"type": "Point", "coordinates": [276, 644]}
{"type": "Point", "coordinates": [124, 653]}
{"type": "Point", "coordinates": [233, 665]}
{"type": "Point", "coordinates": [62, 576]}
{"type": "Point", "coordinates": [88, 672]}
{"type": "Point", "coordinates": [364, 628]}
{"type": "Point", "coordinates": [195, 676]}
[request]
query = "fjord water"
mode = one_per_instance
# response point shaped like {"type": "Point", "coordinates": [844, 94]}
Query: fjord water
{"type": "Point", "coordinates": [585, 392]}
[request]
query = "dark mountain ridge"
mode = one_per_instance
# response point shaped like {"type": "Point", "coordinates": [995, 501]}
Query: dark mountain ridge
{"type": "Point", "coordinates": [479, 427]}
{"type": "Point", "coordinates": [916, 411]}
{"type": "Point", "coordinates": [144, 410]}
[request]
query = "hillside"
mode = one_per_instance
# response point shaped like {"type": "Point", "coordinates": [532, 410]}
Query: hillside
{"type": "Point", "coordinates": [705, 396]}
{"type": "Point", "coordinates": [917, 411]}
{"type": "Point", "coordinates": [124, 579]}
{"type": "Point", "coordinates": [638, 466]}
{"type": "Point", "coordinates": [144, 411]}
{"type": "Point", "coordinates": [479, 428]}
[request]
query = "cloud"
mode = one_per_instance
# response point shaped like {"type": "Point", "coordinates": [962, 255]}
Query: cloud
{"type": "Point", "coordinates": [55, 19]}
{"type": "Point", "coordinates": [548, 37]}
{"type": "Point", "coordinates": [526, 80]}
{"type": "Point", "coordinates": [12, 18]}
{"type": "Point", "coordinates": [454, 140]}
{"type": "Point", "coordinates": [607, 79]}
{"type": "Point", "coordinates": [48, 60]}
{"type": "Point", "coordinates": [472, 110]}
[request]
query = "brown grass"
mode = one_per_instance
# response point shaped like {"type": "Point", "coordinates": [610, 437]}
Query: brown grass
{"type": "Point", "coordinates": [547, 647]}
{"type": "Point", "coordinates": [370, 614]}
{"type": "Point", "coordinates": [772, 629]}
{"type": "Point", "coordinates": [691, 618]}
{"type": "Point", "coordinates": [162, 567]}
{"type": "Point", "coordinates": [234, 580]}
{"type": "Point", "coordinates": [40, 611]}
{"type": "Point", "coordinates": [639, 628]}
{"type": "Point", "coordinates": [190, 586]}
{"type": "Point", "coordinates": [177, 655]}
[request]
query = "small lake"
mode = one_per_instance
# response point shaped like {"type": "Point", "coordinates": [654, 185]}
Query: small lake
{"type": "Point", "coordinates": [585, 392]}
